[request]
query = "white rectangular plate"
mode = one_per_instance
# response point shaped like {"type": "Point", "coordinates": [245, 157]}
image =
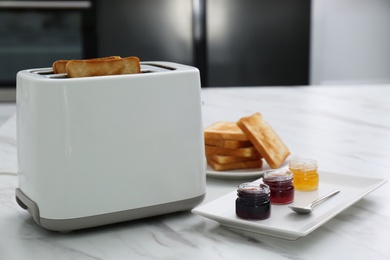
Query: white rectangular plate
{"type": "Point", "coordinates": [283, 222]}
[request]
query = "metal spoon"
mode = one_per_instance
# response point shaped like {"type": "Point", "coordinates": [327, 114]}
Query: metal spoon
{"type": "Point", "coordinates": [309, 208]}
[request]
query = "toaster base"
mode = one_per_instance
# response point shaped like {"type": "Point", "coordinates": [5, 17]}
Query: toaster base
{"type": "Point", "coordinates": [67, 225]}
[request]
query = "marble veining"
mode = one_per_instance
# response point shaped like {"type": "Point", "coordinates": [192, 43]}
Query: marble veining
{"type": "Point", "coordinates": [346, 128]}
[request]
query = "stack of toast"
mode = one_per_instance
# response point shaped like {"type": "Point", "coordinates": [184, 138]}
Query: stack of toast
{"type": "Point", "coordinates": [228, 148]}
{"type": "Point", "coordinates": [243, 144]}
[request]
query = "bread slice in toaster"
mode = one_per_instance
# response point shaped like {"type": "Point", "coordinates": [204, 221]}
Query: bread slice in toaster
{"type": "Point", "coordinates": [231, 144]}
{"type": "Point", "coordinates": [225, 130]}
{"type": "Point", "coordinates": [59, 66]}
{"type": "Point", "coordinates": [257, 163]}
{"type": "Point", "coordinates": [265, 139]}
{"type": "Point", "coordinates": [90, 68]}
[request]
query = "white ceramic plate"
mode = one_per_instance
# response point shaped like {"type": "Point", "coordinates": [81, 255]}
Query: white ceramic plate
{"type": "Point", "coordinates": [239, 174]}
{"type": "Point", "coordinates": [283, 222]}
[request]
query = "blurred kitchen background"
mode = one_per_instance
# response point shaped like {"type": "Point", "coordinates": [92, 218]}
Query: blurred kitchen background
{"type": "Point", "coordinates": [232, 42]}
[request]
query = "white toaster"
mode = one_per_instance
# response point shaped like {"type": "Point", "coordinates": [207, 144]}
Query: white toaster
{"type": "Point", "coordinates": [99, 150]}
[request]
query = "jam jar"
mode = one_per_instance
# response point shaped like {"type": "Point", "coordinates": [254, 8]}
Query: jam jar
{"type": "Point", "coordinates": [305, 174]}
{"type": "Point", "coordinates": [253, 201]}
{"type": "Point", "coordinates": [281, 186]}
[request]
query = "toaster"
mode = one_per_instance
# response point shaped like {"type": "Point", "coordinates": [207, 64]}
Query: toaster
{"type": "Point", "coordinates": [99, 150]}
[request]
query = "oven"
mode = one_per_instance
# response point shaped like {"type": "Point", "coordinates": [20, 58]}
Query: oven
{"type": "Point", "coordinates": [33, 34]}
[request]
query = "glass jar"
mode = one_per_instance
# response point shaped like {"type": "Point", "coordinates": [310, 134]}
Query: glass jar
{"type": "Point", "coordinates": [305, 174]}
{"type": "Point", "coordinates": [253, 201]}
{"type": "Point", "coordinates": [281, 186]}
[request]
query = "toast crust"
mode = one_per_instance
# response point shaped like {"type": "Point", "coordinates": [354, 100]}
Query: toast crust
{"type": "Point", "coordinates": [225, 159]}
{"type": "Point", "coordinates": [90, 68]}
{"type": "Point", "coordinates": [225, 130]}
{"type": "Point", "coordinates": [231, 144]}
{"type": "Point", "coordinates": [265, 139]}
{"type": "Point", "coordinates": [235, 165]}
{"type": "Point", "coordinates": [240, 152]}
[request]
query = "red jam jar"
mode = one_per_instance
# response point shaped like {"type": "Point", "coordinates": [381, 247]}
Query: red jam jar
{"type": "Point", "coordinates": [253, 201]}
{"type": "Point", "coordinates": [280, 183]}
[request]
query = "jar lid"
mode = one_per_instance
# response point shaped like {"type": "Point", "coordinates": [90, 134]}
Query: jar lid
{"type": "Point", "coordinates": [277, 175]}
{"type": "Point", "coordinates": [303, 164]}
{"type": "Point", "coordinates": [253, 188]}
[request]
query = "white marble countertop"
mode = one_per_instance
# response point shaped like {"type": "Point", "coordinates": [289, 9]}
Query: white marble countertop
{"type": "Point", "coordinates": [346, 128]}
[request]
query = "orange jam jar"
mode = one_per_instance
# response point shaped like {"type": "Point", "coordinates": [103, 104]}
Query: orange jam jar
{"type": "Point", "coordinates": [305, 174]}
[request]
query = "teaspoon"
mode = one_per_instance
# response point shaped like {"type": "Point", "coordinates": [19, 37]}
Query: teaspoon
{"type": "Point", "coordinates": [309, 208]}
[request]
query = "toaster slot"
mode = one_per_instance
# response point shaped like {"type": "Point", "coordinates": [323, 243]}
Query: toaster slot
{"type": "Point", "coordinates": [48, 73]}
{"type": "Point", "coordinates": [45, 71]}
{"type": "Point", "coordinates": [152, 68]}
{"type": "Point", "coordinates": [57, 76]}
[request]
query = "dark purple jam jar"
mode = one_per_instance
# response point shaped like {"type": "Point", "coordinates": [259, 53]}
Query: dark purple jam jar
{"type": "Point", "coordinates": [280, 183]}
{"type": "Point", "coordinates": [253, 201]}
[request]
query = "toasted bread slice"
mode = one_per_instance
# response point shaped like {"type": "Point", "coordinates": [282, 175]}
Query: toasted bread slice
{"type": "Point", "coordinates": [224, 130]}
{"type": "Point", "coordinates": [240, 152]}
{"type": "Point", "coordinates": [231, 144]}
{"type": "Point", "coordinates": [265, 139]}
{"type": "Point", "coordinates": [59, 66]}
{"type": "Point", "coordinates": [224, 159]}
{"type": "Point", "coordinates": [90, 68]}
{"type": "Point", "coordinates": [236, 165]}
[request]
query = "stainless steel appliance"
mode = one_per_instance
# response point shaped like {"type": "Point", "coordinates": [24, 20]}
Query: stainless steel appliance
{"type": "Point", "coordinates": [232, 42]}
{"type": "Point", "coordinates": [35, 33]}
